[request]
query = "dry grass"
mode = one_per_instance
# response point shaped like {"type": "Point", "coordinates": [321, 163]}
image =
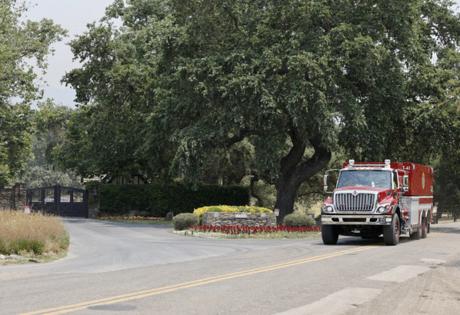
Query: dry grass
{"type": "Point", "coordinates": [31, 234]}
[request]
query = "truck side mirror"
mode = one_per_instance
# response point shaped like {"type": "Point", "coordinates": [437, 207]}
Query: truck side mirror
{"type": "Point", "coordinates": [405, 187]}
{"type": "Point", "coordinates": [330, 180]}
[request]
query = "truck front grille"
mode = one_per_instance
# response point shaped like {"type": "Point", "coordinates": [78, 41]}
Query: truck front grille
{"type": "Point", "coordinates": [358, 203]}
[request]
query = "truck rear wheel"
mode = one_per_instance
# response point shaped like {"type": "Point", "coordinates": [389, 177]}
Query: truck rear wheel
{"type": "Point", "coordinates": [417, 235]}
{"type": "Point", "coordinates": [392, 232]}
{"type": "Point", "coordinates": [330, 234]}
{"type": "Point", "coordinates": [424, 227]}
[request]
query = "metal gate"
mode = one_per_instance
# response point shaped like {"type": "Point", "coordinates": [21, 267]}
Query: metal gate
{"type": "Point", "coordinates": [59, 200]}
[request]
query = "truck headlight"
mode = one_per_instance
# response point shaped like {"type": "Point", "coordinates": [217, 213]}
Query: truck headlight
{"type": "Point", "coordinates": [383, 209]}
{"type": "Point", "coordinates": [328, 209]}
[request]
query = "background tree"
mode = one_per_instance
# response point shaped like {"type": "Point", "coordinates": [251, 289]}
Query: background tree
{"type": "Point", "coordinates": [294, 79]}
{"type": "Point", "coordinates": [23, 50]}
{"type": "Point", "coordinates": [14, 140]}
{"type": "Point", "coordinates": [48, 124]}
{"type": "Point", "coordinates": [448, 185]}
{"type": "Point", "coordinates": [447, 164]}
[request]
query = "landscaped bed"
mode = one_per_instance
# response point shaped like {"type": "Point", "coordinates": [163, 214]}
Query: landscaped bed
{"type": "Point", "coordinates": [31, 237]}
{"type": "Point", "coordinates": [243, 222]}
{"type": "Point", "coordinates": [261, 232]}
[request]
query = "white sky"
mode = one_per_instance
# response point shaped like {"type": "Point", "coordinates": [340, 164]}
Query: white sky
{"type": "Point", "coordinates": [73, 15]}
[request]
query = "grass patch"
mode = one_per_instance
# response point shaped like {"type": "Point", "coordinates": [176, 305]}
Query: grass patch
{"type": "Point", "coordinates": [32, 235]}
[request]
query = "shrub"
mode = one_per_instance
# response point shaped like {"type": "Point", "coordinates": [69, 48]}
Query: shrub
{"type": "Point", "coordinates": [298, 219]}
{"type": "Point", "coordinates": [31, 233]}
{"type": "Point", "coordinates": [231, 209]}
{"type": "Point", "coordinates": [158, 200]}
{"type": "Point", "coordinates": [185, 221]}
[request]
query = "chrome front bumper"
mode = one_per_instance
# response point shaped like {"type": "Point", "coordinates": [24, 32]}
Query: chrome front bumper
{"type": "Point", "coordinates": [355, 219]}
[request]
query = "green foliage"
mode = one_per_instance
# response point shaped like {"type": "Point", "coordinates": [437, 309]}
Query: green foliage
{"type": "Point", "coordinates": [292, 79]}
{"type": "Point", "coordinates": [24, 46]}
{"type": "Point", "coordinates": [14, 140]}
{"type": "Point", "coordinates": [184, 221]}
{"type": "Point", "coordinates": [298, 219]}
{"type": "Point", "coordinates": [100, 142]}
{"type": "Point", "coordinates": [448, 185]}
{"type": "Point", "coordinates": [22, 41]}
{"type": "Point", "coordinates": [38, 176]}
{"type": "Point", "coordinates": [49, 124]}
{"type": "Point", "coordinates": [231, 209]}
{"type": "Point", "coordinates": [447, 172]}
{"type": "Point", "coordinates": [159, 199]}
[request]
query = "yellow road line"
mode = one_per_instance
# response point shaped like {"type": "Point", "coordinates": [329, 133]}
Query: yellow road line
{"type": "Point", "coordinates": [162, 290]}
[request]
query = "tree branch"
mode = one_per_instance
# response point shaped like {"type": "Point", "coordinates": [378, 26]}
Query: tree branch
{"type": "Point", "coordinates": [313, 165]}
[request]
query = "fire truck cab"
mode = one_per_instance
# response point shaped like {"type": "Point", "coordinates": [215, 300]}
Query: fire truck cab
{"type": "Point", "coordinates": [373, 198]}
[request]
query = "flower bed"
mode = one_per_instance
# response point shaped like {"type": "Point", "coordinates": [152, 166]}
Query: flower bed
{"type": "Point", "coordinates": [237, 229]}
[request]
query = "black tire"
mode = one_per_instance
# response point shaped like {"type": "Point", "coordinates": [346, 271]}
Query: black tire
{"type": "Point", "coordinates": [417, 235]}
{"type": "Point", "coordinates": [330, 234]}
{"type": "Point", "coordinates": [392, 232]}
{"type": "Point", "coordinates": [424, 227]}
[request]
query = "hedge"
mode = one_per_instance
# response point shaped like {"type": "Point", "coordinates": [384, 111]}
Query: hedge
{"type": "Point", "coordinates": [157, 200]}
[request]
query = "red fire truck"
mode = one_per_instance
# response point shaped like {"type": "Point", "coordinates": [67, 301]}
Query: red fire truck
{"type": "Point", "coordinates": [372, 198]}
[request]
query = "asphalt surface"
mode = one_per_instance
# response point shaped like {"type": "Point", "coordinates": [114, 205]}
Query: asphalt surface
{"type": "Point", "coordinates": [143, 269]}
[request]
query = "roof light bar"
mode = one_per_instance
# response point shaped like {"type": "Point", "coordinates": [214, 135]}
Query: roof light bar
{"type": "Point", "coordinates": [387, 163]}
{"type": "Point", "coordinates": [351, 163]}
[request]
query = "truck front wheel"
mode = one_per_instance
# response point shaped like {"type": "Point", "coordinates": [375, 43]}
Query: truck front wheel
{"type": "Point", "coordinates": [330, 234]}
{"type": "Point", "coordinates": [392, 232]}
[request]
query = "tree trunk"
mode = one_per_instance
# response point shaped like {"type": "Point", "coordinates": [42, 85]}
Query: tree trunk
{"type": "Point", "coordinates": [286, 194]}
{"type": "Point", "coordinates": [294, 170]}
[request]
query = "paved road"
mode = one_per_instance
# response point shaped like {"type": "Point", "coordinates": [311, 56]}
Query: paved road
{"type": "Point", "coordinates": [139, 269]}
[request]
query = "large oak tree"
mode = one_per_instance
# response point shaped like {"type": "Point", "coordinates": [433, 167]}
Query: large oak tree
{"type": "Point", "coordinates": [293, 78]}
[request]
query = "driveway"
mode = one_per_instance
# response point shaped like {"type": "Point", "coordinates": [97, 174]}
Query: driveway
{"type": "Point", "coordinates": [141, 269]}
{"type": "Point", "coordinates": [102, 246]}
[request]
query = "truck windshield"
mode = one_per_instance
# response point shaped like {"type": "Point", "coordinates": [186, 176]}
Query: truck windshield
{"type": "Point", "coordinates": [379, 179]}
